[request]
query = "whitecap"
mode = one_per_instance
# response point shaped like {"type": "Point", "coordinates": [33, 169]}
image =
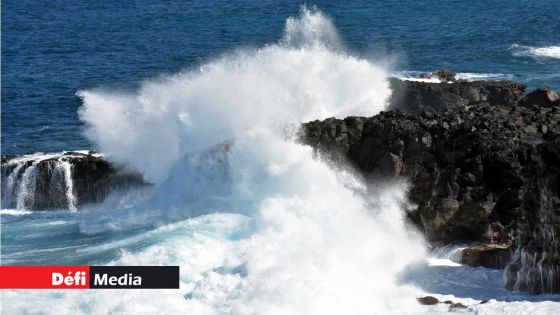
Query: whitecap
{"type": "Point", "coordinates": [552, 51]}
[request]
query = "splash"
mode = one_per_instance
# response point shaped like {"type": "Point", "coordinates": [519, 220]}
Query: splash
{"type": "Point", "coordinates": [552, 52]}
{"type": "Point", "coordinates": [39, 182]}
{"type": "Point", "coordinates": [238, 95]}
{"type": "Point", "coordinates": [298, 236]}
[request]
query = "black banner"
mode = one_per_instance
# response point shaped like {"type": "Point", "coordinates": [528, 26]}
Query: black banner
{"type": "Point", "coordinates": [134, 277]}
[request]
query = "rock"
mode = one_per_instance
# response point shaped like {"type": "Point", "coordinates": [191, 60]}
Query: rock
{"type": "Point", "coordinates": [92, 178]}
{"type": "Point", "coordinates": [489, 256]}
{"type": "Point", "coordinates": [535, 265]}
{"type": "Point", "coordinates": [443, 75]}
{"type": "Point", "coordinates": [484, 301]}
{"type": "Point", "coordinates": [457, 306]}
{"type": "Point", "coordinates": [415, 97]}
{"type": "Point", "coordinates": [428, 300]}
{"type": "Point", "coordinates": [543, 97]}
{"type": "Point", "coordinates": [463, 181]}
{"type": "Point", "coordinates": [481, 172]}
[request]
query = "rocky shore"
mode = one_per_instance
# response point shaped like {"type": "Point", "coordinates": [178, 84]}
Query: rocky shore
{"type": "Point", "coordinates": [483, 161]}
{"type": "Point", "coordinates": [55, 181]}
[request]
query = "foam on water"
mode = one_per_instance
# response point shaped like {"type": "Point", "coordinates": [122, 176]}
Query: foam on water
{"type": "Point", "coordinates": [14, 212]}
{"type": "Point", "coordinates": [468, 76]}
{"type": "Point", "coordinates": [552, 52]}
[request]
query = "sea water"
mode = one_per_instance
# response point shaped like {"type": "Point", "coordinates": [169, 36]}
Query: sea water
{"type": "Point", "coordinates": [258, 224]}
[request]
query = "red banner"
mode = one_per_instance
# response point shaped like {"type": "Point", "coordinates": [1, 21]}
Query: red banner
{"type": "Point", "coordinates": [44, 277]}
{"type": "Point", "coordinates": [89, 277]}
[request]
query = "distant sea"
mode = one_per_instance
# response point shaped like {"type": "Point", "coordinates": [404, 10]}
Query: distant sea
{"type": "Point", "coordinates": [51, 50]}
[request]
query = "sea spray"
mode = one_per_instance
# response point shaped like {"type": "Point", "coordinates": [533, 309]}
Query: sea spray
{"type": "Point", "coordinates": [66, 168]}
{"type": "Point", "coordinates": [25, 194]}
{"type": "Point", "coordinates": [296, 236]}
{"type": "Point", "coordinates": [43, 181]}
{"type": "Point", "coordinates": [241, 93]}
{"type": "Point", "coordinates": [10, 178]}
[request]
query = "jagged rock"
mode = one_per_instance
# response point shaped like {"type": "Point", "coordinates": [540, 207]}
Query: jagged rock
{"type": "Point", "coordinates": [443, 75]}
{"type": "Point", "coordinates": [427, 300]}
{"type": "Point", "coordinates": [543, 96]}
{"type": "Point", "coordinates": [457, 306]}
{"type": "Point", "coordinates": [535, 264]}
{"type": "Point", "coordinates": [480, 172]}
{"type": "Point", "coordinates": [43, 183]}
{"type": "Point", "coordinates": [468, 168]}
{"type": "Point", "coordinates": [415, 97]}
{"type": "Point", "coordinates": [489, 256]}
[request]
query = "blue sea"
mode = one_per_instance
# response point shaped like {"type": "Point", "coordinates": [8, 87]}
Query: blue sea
{"type": "Point", "coordinates": [53, 49]}
{"type": "Point", "coordinates": [201, 98]}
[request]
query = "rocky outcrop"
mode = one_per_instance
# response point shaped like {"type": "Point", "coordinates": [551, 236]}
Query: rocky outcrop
{"type": "Point", "coordinates": [489, 256]}
{"type": "Point", "coordinates": [469, 168]}
{"type": "Point", "coordinates": [55, 181]}
{"type": "Point", "coordinates": [486, 171]}
{"type": "Point", "coordinates": [430, 300]}
{"type": "Point", "coordinates": [536, 261]}
{"type": "Point", "coordinates": [427, 300]}
{"type": "Point", "coordinates": [544, 97]}
{"type": "Point", "coordinates": [442, 75]}
{"type": "Point", "coordinates": [415, 97]}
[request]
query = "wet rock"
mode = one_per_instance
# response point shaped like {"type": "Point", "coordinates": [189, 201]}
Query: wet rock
{"type": "Point", "coordinates": [444, 75]}
{"type": "Point", "coordinates": [68, 180]}
{"type": "Point", "coordinates": [428, 300]}
{"type": "Point", "coordinates": [416, 97]}
{"type": "Point", "coordinates": [543, 97]}
{"type": "Point", "coordinates": [481, 172]}
{"type": "Point", "coordinates": [489, 256]}
{"type": "Point", "coordinates": [454, 306]}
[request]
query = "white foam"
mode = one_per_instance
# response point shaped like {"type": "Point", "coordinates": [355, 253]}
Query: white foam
{"type": "Point", "coordinates": [473, 76]}
{"type": "Point", "coordinates": [536, 52]}
{"type": "Point", "coordinates": [41, 156]}
{"type": "Point", "coordinates": [468, 76]}
{"type": "Point", "coordinates": [313, 245]}
{"type": "Point", "coordinates": [14, 212]}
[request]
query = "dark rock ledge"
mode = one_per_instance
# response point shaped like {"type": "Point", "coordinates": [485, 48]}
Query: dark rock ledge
{"type": "Point", "coordinates": [484, 166]}
{"type": "Point", "coordinates": [93, 179]}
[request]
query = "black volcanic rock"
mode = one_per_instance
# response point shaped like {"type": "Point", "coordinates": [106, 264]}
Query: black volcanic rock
{"type": "Point", "coordinates": [468, 168]}
{"type": "Point", "coordinates": [427, 300]}
{"type": "Point", "coordinates": [443, 75]}
{"type": "Point", "coordinates": [489, 256]}
{"type": "Point", "coordinates": [92, 178]}
{"type": "Point", "coordinates": [415, 97]}
{"type": "Point", "coordinates": [543, 96]}
{"type": "Point", "coordinates": [480, 172]}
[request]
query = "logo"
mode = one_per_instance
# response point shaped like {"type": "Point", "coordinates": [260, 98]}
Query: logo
{"type": "Point", "coordinates": [78, 279]}
{"type": "Point", "coordinates": [89, 277]}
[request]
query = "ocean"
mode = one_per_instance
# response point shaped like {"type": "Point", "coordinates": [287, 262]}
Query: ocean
{"type": "Point", "coordinates": [160, 87]}
{"type": "Point", "coordinates": [52, 51]}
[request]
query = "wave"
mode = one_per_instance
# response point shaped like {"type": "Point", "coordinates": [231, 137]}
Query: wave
{"type": "Point", "coordinates": [220, 140]}
{"type": "Point", "coordinates": [41, 156]}
{"type": "Point", "coordinates": [410, 75]}
{"type": "Point", "coordinates": [14, 212]}
{"type": "Point", "coordinates": [552, 52]}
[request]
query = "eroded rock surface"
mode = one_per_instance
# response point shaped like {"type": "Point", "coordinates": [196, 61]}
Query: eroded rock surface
{"type": "Point", "coordinates": [485, 171]}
